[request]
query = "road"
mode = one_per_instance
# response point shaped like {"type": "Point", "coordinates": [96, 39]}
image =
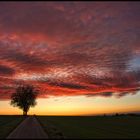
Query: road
{"type": "Point", "coordinates": [30, 128]}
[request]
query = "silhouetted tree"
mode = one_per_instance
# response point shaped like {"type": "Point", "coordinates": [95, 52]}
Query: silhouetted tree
{"type": "Point", "coordinates": [24, 97]}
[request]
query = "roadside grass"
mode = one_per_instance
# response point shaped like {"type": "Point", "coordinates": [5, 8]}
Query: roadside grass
{"type": "Point", "coordinates": [52, 131]}
{"type": "Point", "coordinates": [8, 123]}
{"type": "Point", "coordinates": [92, 127]}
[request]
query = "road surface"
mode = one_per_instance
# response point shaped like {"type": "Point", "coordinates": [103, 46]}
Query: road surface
{"type": "Point", "coordinates": [30, 128]}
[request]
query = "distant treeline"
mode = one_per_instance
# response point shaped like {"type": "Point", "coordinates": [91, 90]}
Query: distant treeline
{"type": "Point", "coordinates": [122, 114]}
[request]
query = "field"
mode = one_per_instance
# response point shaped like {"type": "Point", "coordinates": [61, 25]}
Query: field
{"type": "Point", "coordinates": [92, 127]}
{"type": "Point", "coordinates": [79, 127]}
{"type": "Point", "coordinates": [8, 123]}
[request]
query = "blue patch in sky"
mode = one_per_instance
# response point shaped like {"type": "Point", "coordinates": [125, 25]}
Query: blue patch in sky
{"type": "Point", "coordinates": [134, 64]}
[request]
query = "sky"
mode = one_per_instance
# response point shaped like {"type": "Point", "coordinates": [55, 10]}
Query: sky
{"type": "Point", "coordinates": [83, 56]}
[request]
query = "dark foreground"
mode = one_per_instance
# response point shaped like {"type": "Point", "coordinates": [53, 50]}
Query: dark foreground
{"type": "Point", "coordinates": [92, 127]}
{"type": "Point", "coordinates": [71, 127]}
{"type": "Point", "coordinates": [8, 123]}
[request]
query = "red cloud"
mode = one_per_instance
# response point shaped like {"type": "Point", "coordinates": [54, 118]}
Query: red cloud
{"type": "Point", "coordinates": [74, 48]}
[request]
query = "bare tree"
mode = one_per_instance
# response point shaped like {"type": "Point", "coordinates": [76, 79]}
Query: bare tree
{"type": "Point", "coordinates": [24, 97]}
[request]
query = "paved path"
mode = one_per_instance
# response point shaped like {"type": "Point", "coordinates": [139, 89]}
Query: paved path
{"type": "Point", "coordinates": [28, 129]}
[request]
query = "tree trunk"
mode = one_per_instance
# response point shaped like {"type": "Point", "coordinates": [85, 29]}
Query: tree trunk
{"type": "Point", "coordinates": [24, 113]}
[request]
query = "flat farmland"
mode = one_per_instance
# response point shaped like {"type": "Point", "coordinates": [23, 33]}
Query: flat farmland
{"type": "Point", "coordinates": [91, 127]}
{"type": "Point", "coordinates": [8, 123]}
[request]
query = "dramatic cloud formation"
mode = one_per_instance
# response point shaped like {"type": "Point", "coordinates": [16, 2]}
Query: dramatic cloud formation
{"type": "Point", "coordinates": [70, 48]}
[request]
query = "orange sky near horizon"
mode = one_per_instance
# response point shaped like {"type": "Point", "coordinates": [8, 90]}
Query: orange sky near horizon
{"type": "Point", "coordinates": [79, 105]}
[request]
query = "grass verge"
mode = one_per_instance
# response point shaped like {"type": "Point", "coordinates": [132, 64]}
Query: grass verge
{"type": "Point", "coordinates": [8, 123]}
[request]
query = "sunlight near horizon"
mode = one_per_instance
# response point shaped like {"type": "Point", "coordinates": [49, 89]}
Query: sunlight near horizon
{"type": "Point", "coordinates": [78, 105]}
